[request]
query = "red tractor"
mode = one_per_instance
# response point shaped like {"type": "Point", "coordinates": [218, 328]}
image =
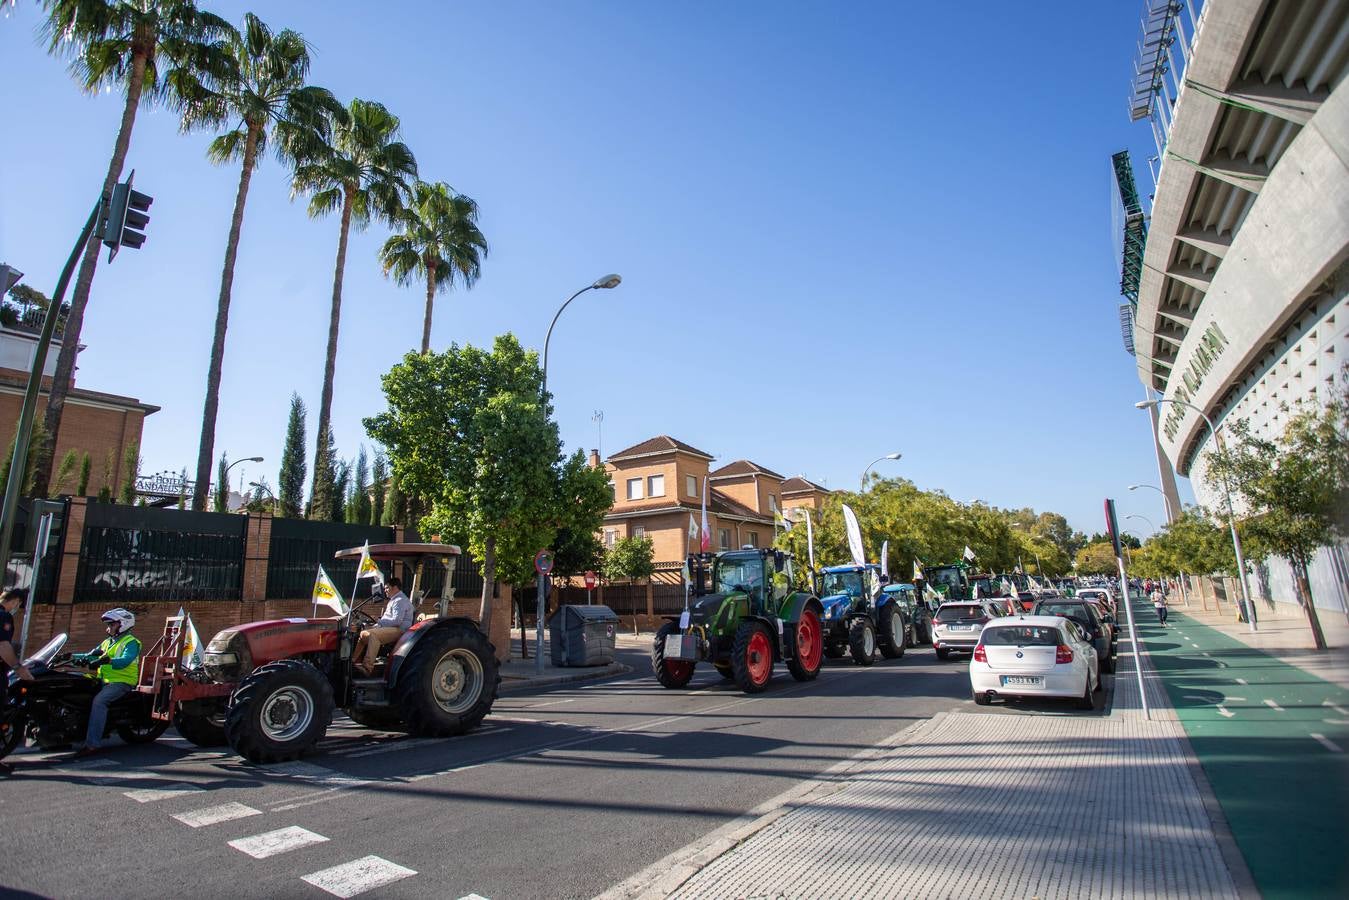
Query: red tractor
{"type": "Point", "coordinates": [285, 677]}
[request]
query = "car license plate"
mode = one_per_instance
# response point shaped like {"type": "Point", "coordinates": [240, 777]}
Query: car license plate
{"type": "Point", "coordinates": [1030, 680]}
{"type": "Point", "coordinates": [681, 646]}
{"type": "Point", "coordinates": [960, 627]}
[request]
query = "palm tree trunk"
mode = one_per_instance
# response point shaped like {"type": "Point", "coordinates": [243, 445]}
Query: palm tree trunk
{"type": "Point", "coordinates": [430, 302]}
{"type": "Point", "coordinates": [62, 381]}
{"type": "Point", "coordinates": [206, 450]}
{"type": "Point", "coordinates": [334, 319]}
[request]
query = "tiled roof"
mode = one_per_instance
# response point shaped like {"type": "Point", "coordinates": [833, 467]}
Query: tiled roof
{"type": "Point", "coordinates": [798, 485]}
{"type": "Point", "coordinates": [662, 444]}
{"type": "Point", "coordinates": [717, 504]}
{"type": "Point", "coordinates": [742, 467]}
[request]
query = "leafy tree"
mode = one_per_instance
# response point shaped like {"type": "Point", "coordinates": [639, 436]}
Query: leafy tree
{"type": "Point", "coordinates": [362, 173]}
{"type": "Point", "coordinates": [222, 486]}
{"type": "Point", "coordinates": [1295, 489]}
{"type": "Point", "coordinates": [86, 469]}
{"type": "Point", "coordinates": [379, 486]}
{"type": "Point", "coordinates": [131, 468]}
{"type": "Point", "coordinates": [1097, 558]}
{"type": "Point", "coordinates": [358, 509]}
{"type": "Point", "coordinates": [27, 486]}
{"type": "Point", "coordinates": [292, 472]}
{"type": "Point", "coordinates": [148, 48]}
{"type": "Point", "coordinates": [630, 558]}
{"type": "Point", "coordinates": [259, 86]}
{"type": "Point", "coordinates": [64, 472]}
{"type": "Point", "coordinates": [396, 509]}
{"type": "Point", "coordinates": [439, 244]}
{"type": "Point", "coordinates": [321, 498]}
{"type": "Point", "coordinates": [341, 495]}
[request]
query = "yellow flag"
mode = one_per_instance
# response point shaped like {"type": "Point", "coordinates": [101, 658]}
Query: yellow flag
{"type": "Point", "coordinates": [917, 571]}
{"type": "Point", "coordinates": [367, 567]}
{"type": "Point", "coordinates": [326, 594]}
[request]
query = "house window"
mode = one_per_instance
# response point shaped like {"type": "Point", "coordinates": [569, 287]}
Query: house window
{"type": "Point", "coordinates": [691, 485]}
{"type": "Point", "coordinates": [613, 491]}
{"type": "Point", "coordinates": [610, 535]}
{"type": "Point", "coordinates": [773, 502]}
{"type": "Point", "coordinates": [724, 538]}
{"type": "Point", "coordinates": [754, 538]}
{"type": "Point", "coordinates": [639, 531]}
{"type": "Point", "coordinates": [655, 486]}
{"type": "Point", "coordinates": [634, 489]}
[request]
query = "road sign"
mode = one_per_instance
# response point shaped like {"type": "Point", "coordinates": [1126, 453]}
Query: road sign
{"type": "Point", "coordinates": [543, 562]}
{"type": "Point", "coordinates": [591, 581]}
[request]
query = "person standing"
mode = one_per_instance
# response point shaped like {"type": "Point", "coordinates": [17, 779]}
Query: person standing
{"type": "Point", "coordinates": [1159, 604]}
{"type": "Point", "coordinates": [10, 602]}
{"type": "Point", "coordinates": [117, 660]}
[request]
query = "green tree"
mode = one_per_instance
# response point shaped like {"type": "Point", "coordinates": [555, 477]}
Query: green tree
{"type": "Point", "coordinates": [27, 486]}
{"type": "Point", "coordinates": [86, 470]}
{"type": "Point", "coordinates": [439, 244]}
{"type": "Point", "coordinates": [147, 48]}
{"type": "Point", "coordinates": [131, 468]}
{"type": "Point", "coordinates": [630, 558]}
{"type": "Point", "coordinates": [1097, 559]}
{"type": "Point", "coordinates": [358, 509]}
{"type": "Point", "coordinates": [341, 495]}
{"type": "Point", "coordinates": [1295, 489]}
{"type": "Point", "coordinates": [362, 173]}
{"type": "Point", "coordinates": [222, 486]}
{"type": "Point", "coordinates": [379, 487]}
{"type": "Point", "coordinates": [467, 431]}
{"type": "Point", "coordinates": [396, 509]}
{"type": "Point", "coordinates": [321, 498]}
{"type": "Point", "coordinates": [64, 471]}
{"type": "Point", "coordinates": [258, 88]}
{"type": "Point", "coordinates": [291, 476]}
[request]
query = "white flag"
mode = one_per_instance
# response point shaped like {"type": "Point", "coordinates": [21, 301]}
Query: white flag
{"type": "Point", "coordinates": [969, 554]}
{"type": "Point", "coordinates": [191, 656]}
{"type": "Point", "coordinates": [885, 559]}
{"type": "Point", "coordinates": [854, 536]}
{"type": "Point", "coordinates": [326, 594]}
{"type": "Point", "coordinates": [366, 568]}
{"type": "Point", "coordinates": [810, 540]}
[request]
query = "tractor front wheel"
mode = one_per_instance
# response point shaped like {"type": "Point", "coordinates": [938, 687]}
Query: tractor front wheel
{"type": "Point", "coordinates": [279, 712]}
{"type": "Point", "coordinates": [671, 673]}
{"type": "Point", "coordinates": [202, 729]}
{"type": "Point", "coordinates": [862, 642]}
{"type": "Point", "coordinates": [809, 656]}
{"type": "Point", "coordinates": [448, 682]}
{"type": "Point", "coordinates": [752, 656]}
{"type": "Point", "coordinates": [894, 636]}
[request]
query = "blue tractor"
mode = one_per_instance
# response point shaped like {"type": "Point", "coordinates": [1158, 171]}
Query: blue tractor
{"type": "Point", "coordinates": [858, 617]}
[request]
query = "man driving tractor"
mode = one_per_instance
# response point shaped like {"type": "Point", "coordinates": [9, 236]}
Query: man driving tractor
{"type": "Point", "coordinates": [397, 618]}
{"type": "Point", "coordinates": [117, 659]}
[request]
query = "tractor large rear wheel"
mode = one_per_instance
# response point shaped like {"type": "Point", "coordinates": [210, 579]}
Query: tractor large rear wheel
{"type": "Point", "coordinates": [805, 665]}
{"type": "Point", "coordinates": [448, 682]}
{"type": "Point", "coordinates": [279, 712]}
{"type": "Point", "coordinates": [752, 656]}
{"type": "Point", "coordinates": [862, 642]}
{"type": "Point", "coordinates": [894, 636]}
{"type": "Point", "coordinates": [671, 673]}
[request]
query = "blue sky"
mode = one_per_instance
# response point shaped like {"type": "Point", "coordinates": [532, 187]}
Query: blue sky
{"type": "Point", "coordinates": [842, 232]}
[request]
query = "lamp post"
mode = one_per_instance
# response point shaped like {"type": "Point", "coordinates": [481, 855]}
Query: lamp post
{"type": "Point", "coordinates": [225, 476]}
{"type": "Point", "coordinates": [1227, 494]}
{"type": "Point", "coordinates": [608, 282]}
{"type": "Point", "coordinates": [867, 470]}
{"type": "Point", "coordinates": [259, 486]}
{"type": "Point", "coordinates": [1180, 579]}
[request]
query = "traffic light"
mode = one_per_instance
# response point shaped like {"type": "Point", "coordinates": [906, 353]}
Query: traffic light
{"type": "Point", "coordinates": [126, 217]}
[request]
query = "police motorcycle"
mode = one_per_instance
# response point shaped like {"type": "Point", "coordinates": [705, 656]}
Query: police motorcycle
{"type": "Point", "coordinates": [52, 710]}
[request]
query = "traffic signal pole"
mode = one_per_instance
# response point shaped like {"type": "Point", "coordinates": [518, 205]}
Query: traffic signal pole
{"type": "Point", "coordinates": [23, 436]}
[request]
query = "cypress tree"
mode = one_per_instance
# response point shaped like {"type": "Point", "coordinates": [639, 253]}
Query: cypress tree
{"type": "Point", "coordinates": [221, 497]}
{"type": "Point", "coordinates": [358, 510]}
{"type": "Point", "coordinates": [291, 477]}
{"type": "Point", "coordinates": [86, 469]}
{"type": "Point", "coordinates": [321, 501]}
{"type": "Point", "coordinates": [379, 478]}
{"type": "Point", "coordinates": [131, 466]}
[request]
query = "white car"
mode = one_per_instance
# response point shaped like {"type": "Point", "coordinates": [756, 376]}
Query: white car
{"type": "Point", "coordinates": [1034, 656]}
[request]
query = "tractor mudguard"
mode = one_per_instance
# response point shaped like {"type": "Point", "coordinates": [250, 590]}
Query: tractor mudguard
{"type": "Point", "coordinates": [792, 606]}
{"type": "Point", "coordinates": [410, 638]}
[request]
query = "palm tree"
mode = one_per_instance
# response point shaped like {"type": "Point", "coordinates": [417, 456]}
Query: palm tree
{"type": "Point", "coordinates": [262, 88]}
{"type": "Point", "coordinates": [149, 48]}
{"type": "Point", "coordinates": [364, 172]}
{"type": "Point", "coordinates": [440, 242]}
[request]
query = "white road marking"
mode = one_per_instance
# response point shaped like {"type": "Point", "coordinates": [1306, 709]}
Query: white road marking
{"type": "Point", "coordinates": [149, 795]}
{"type": "Point", "coordinates": [553, 703]}
{"type": "Point", "coordinates": [358, 876]}
{"type": "Point", "coordinates": [1274, 706]}
{"type": "Point", "coordinates": [391, 746]}
{"type": "Point", "coordinates": [473, 897]}
{"type": "Point", "coordinates": [271, 843]}
{"type": "Point", "coordinates": [1243, 681]}
{"type": "Point", "coordinates": [1336, 721]}
{"type": "Point", "coordinates": [1339, 709]}
{"type": "Point", "coordinates": [1196, 697]}
{"type": "Point", "coordinates": [1240, 699]}
{"type": "Point", "coordinates": [212, 815]}
{"type": "Point", "coordinates": [1327, 743]}
{"type": "Point", "coordinates": [1224, 712]}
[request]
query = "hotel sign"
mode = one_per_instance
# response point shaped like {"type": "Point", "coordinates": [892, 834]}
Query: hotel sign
{"type": "Point", "coordinates": [1211, 345]}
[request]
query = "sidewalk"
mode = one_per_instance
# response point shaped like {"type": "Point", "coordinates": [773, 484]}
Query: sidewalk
{"type": "Point", "coordinates": [975, 804]}
{"type": "Point", "coordinates": [520, 674]}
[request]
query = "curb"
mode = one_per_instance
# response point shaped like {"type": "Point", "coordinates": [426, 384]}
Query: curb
{"type": "Point", "coordinates": [512, 685]}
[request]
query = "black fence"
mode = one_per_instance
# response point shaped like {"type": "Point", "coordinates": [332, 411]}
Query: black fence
{"type": "Point", "coordinates": [667, 598]}
{"type": "Point", "coordinates": [19, 570]}
{"type": "Point", "coordinates": [626, 599]}
{"type": "Point", "coordinates": [144, 554]}
{"type": "Point", "coordinates": [299, 547]}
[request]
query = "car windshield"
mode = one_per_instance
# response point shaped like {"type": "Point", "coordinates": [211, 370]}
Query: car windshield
{"type": "Point", "coordinates": [948, 578]}
{"type": "Point", "coordinates": [1022, 636]}
{"type": "Point", "coordinates": [956, 613]}
{"type": "Point", "coordinates": [1075, 611]}
{"type": "Point", "coordinates": [849, 583]}
{"type": "Point", "coordinates": [738, 573]}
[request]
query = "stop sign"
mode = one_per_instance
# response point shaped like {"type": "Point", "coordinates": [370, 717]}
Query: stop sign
{"type": "Point", "coordinates": [590, 581]}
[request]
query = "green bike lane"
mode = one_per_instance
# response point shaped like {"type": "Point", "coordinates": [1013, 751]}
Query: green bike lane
{"type": "Point", "coordinates": [1273, 741]}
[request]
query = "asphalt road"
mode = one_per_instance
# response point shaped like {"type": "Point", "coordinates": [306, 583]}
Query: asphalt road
{"type": "Point", "coordinates": [561, 793]}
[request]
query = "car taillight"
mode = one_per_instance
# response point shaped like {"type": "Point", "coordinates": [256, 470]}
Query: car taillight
{"type": "Point", "coordinates": [980, 655]}
{"type": "Point", "coordinates": [1063, 654]}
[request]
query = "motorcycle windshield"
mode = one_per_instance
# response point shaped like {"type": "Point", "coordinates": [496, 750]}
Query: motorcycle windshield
{"type": "Point", "coordinates": [48, 651]}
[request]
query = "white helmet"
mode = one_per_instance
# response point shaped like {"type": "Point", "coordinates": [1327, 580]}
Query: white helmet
{"type": "Point", "coordinates": [124, 618]}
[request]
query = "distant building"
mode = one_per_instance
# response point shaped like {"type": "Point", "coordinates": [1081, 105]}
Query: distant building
{"type": "Point", "coordinates": [102, 425]}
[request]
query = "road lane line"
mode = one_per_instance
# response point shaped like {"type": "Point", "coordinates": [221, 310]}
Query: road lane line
{"type": "Point", "coordinates": [1327, 743]}
{"type": "Point", "coordinates": [1274, 706]}
{"type": "Point", "coordinates": [149, 795]}
{"type": "Point", "coordinates": [213, 815]}
{"type": "Point", "coordinates": [1336, 721]}
{"type": "Point", "coordinates": [271, 843]}
{"type": "Point", "coordinates": [1243, 681]}
{"type": "Point", "coordinates": [358, 876]}
{"type": "Point", "coordinates": [1339, 709]}
{"type": "Point", "coordinates": [1224, 712]}
{"type": "Point", "coordinates": [553, 703]}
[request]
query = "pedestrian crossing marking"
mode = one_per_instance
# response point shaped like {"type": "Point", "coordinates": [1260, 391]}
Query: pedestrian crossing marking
{"type": "Point", "coordinates": [358, 876]}
{"type": "Point", "coordinates": [149, 795]}
{"type": "Point", "coordinates": [272, 843]}
{"type": "Point", "coordinates": [213, 815]}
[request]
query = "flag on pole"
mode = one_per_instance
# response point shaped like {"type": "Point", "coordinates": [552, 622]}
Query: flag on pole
{"type": "Point", "coordinates": [325, 594]}
{"type": "Point", "coordinates": [706, 543]}
{"type": "Point", "coordinates": [693, 529]}
{"type": "Point", "coordinates": [885, 560]}
{"type": "Point", "coordinates": [917, 571]}
{"type": "Point", "coordinates": [1008, 589]}
{"type": "Point", "coordinates": [367, 568]}
{"type": "Point", "coordinates": [192, 656]}
{"type": "Point", "coordinates": [781, 521]}
{"type": "Point", "coordinates": [969, 554]}
{"type": "Point", "coordinates": [854, 536]}
{"type": "Point", "coordinates": [810, 540]}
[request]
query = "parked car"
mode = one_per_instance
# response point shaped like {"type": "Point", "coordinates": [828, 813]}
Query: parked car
{"type": "Point", "coordinates": [956, 626]}
{"type": "Point", "coordinates": [1101, 595]}
{"type": "Point", "coordinates": [1083, 612]}
{"type": "Point", "coordinates": [1034, 656]}
{"type": "Point", "coordinates": [916, 613]}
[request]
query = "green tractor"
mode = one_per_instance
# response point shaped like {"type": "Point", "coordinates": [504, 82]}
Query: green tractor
{"type": "Point", "coordinates": [750, 619]}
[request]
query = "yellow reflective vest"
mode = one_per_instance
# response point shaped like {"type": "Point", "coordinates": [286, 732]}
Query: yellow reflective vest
{"type": "Point", "coordinates": [112, 648]}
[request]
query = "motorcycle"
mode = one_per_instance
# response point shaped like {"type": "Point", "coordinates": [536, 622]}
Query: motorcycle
{"type": "Point", "coordinates": [53, 709]}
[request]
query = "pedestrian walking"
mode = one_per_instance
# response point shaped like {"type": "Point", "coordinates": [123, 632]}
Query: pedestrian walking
{"type": "Point", "coordinates": [1159, 604]}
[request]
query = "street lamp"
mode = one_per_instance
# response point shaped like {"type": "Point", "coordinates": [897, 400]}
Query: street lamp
{"type": "Point", "coordinates": [259, 486]}
{"type": "Point", "coordinates": [225, 476]}
{"type": "Point", "coordinates": [607, 282]}
{"type": "Point", "coordinates": [865, 471]}
{"type": "Point", "coordinates": [1143, 519]}
{"type": "Point", "coordinates": [1227, 493]}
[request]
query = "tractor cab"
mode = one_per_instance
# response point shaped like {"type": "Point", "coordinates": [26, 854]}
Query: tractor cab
{"type": "Point", "coordinates": [845, 588]}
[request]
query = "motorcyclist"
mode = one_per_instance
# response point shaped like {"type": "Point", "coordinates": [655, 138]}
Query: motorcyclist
{"type": "Point", "coordinates": [117, 660]}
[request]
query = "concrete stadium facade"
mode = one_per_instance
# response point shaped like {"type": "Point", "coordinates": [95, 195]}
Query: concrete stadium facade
{"type": "Point", "coordinates": [1243, 301]}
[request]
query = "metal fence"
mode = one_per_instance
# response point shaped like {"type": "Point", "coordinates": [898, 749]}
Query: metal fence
{"type": "Point", "coordinates": [667, 598]}
{"type": "Point", "coordinates": [19, 570]}
{"type": "Point", "coordinates": [298, 547]}
{"type": "Point", "coordinates": [144, 554]}
{"type": "Point", "coordinates": [626, 599]}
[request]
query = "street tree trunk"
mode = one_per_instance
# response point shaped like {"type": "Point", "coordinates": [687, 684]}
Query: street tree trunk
{"type": "Point", "coordinates": [206, 450]}
{"type": "Point", "coordinates": [1304, 591]}
{"type": "Point", "coordinates": [70, 335]}
{"type": "Point", "coordinates": [489, 579]}
{"type": "Point", "coordinates": [334, 320]}
{"type": "Point", "coordinates": [430, 302]}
